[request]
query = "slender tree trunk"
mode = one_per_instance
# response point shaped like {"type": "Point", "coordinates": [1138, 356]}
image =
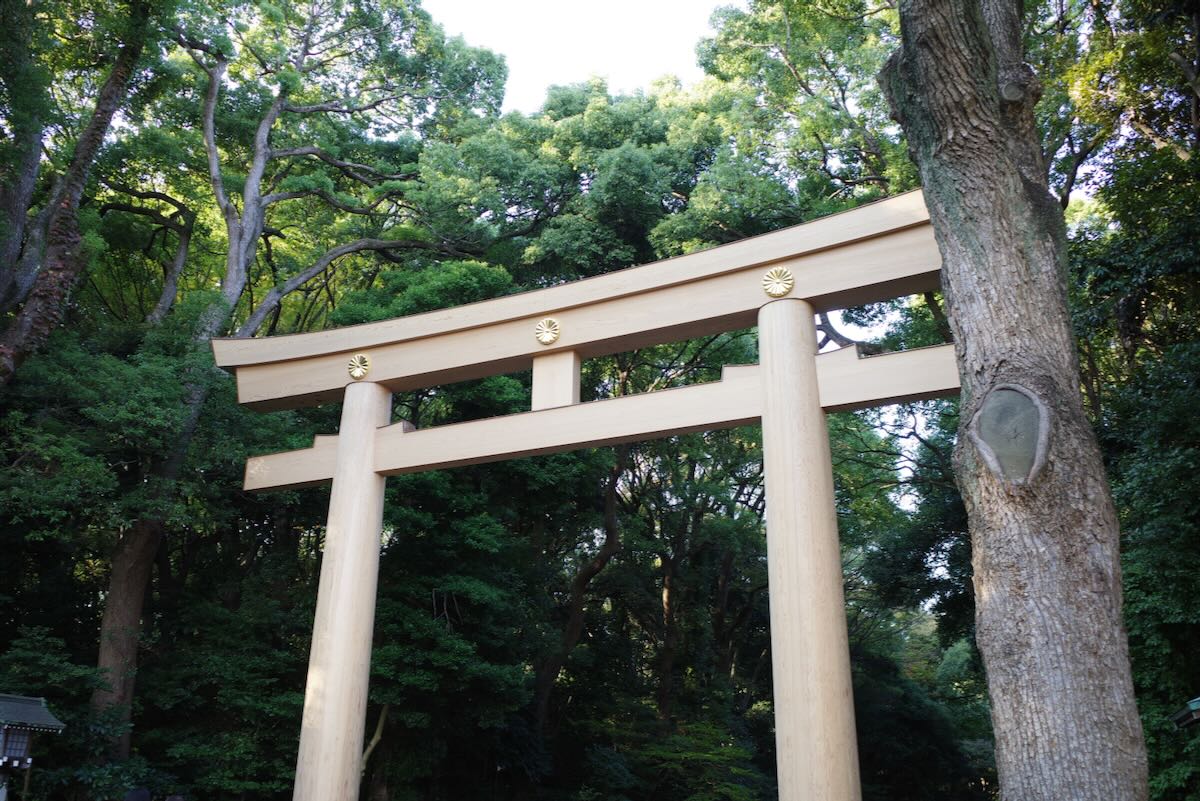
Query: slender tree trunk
{"type": "Point", "coordinates": [63, 261]}
{"type": "Point", "coordinates": [1043, 528]}
{"type": "Point", "coordinates": [664, 694]}
{"type": "Point", "coordinates": [721, 629]}
{"type": "Point", "coordinates": [166, 298]}
{"type": "Point", "coordinates": [725, 629]}
{"type": "Point", "coordinates": [548, 670]}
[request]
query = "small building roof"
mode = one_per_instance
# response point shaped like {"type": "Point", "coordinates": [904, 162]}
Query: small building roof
{"type": "Point", "coordinates": [1189, 715]}
{"type": "Point", "coordinates": [23, 712]}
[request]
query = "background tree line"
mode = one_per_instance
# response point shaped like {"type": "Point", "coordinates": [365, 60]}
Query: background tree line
{"type": "Point", "coordinates": [584, 626]}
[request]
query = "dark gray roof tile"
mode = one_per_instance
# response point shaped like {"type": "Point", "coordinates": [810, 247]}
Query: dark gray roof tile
{"type": "Point", "coordinates": [28, 713]}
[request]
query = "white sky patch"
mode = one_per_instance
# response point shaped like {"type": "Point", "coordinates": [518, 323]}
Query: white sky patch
{"type": "Point", "coordinates": [631, 43]}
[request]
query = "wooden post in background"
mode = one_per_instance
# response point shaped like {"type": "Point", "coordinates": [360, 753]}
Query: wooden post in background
{"type": "Point", "coordinates": [817, 753]}
{"type": "Point", "coordinates": [329, 766]}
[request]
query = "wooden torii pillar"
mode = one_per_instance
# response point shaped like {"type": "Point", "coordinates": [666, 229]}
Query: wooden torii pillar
{"type": "Point", "coordinates": [777, 281]}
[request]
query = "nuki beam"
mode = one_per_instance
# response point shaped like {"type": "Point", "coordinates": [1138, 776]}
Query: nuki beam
{"type": "Point", "coordinates": [846, 382]}
{"type": "Point", "coordinates": [876, 252]}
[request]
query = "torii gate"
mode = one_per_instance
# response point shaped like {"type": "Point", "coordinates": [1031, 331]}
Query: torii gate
{"type": "Point", "coordinates": [778, 280]}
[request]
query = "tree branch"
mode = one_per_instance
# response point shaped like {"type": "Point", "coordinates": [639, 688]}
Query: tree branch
{"type": "Point", "coordinates": [280, 291]}
{"type": "Point", "coordinates": [363, 173]}
{"type": "Point", "coordinates": [826, 327]}
{"type": "Point", "coordinates": [338, 106]}
{"type": "Point", "coordinates": [144, 194]}
{"type": "Point", "coordinates": [215, 75]}
{"type": "Point", "coordinates": [153, 214]}
{"type": "Point", "coordinates": [277, 197]}
{"type": "Point", "coordinates": [1189, 71]}
{"type": "Point", "coordinates": [376, 737]}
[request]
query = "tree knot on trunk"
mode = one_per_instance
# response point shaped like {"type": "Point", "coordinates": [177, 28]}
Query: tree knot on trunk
{"type": "Point", "coordinates": [1019, 84]}
{"type": "Point", "coordinates": [1011, 432]}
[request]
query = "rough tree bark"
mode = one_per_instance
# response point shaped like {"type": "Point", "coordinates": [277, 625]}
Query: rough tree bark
{"type": "Point", "coordinates": [1043, 527]}
{"type": "Point", "coordinates": [25, 86]}
{"type": "Point", "coordinates": [62, 262]}
{"type": "Point", "coordinates": [121, 626]}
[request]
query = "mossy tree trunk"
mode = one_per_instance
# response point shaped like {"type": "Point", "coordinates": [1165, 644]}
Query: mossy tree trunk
{"type": "Point", "coordinates": [1044, 531]}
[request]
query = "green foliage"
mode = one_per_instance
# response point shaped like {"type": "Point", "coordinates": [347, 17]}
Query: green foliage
{"type": "Point", "coordinates": [1156, 446]}
{"type": "Point", "coordinates": [664, 691]}
{"type": "Point", "coordinates": [404, 292]}
{"type": "Point", "coordinates": [701, 761]}
{"type": "Point", "coordinates": [39, 664]}
{"type": "Point", "coordinates": [815, 65]}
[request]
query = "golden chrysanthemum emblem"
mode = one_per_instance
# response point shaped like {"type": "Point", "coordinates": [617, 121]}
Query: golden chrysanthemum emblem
{"type": "Point", "coordinates": [547, 331]}
{"type": "Point", "coordinates": [359, 366]}
{"type": "Point", "coordinates": [778, 281]}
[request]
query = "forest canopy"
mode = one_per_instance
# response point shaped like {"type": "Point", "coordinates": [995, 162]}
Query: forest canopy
{"type": "Point", "coordinates": [589, 626]}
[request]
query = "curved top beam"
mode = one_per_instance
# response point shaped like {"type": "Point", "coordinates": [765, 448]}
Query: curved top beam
{"type": "Point", "coordinates": [871, 220]}
{"type": "Point", "coordinates": [874, 252]}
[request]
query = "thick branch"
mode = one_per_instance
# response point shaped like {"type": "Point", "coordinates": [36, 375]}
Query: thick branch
{"type": "Point", "coordinates": [215, 76]}
{"type": "Point", "coordinates": [826, 327]}
{"type": "Point", "coordinates": [1189, 71]}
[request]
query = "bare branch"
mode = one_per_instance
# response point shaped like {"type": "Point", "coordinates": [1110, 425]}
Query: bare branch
{"type": "Point", "coordinates": [144, 211]}
{"type": "Point", "coordinates": [338, 106]}
{"type": "Point", "coordinates": [145, 194]}
{"type": "Point", "coordinates": [376, 737]}
{"type": "Point", "coordinates": [182, 222]}
{"type": "Point", "coordinates": [279, 292]}
{"type": "Point", "coordinates": [1159, 142]}
{"type": "Point", "coordinates": [826, 327]}
{"type": "Point", "coordinates": [1078, 158]}
{"type": "Point", "coordinates": [277, 197]}
{"type": "Point", "coordinates": [364, 173]}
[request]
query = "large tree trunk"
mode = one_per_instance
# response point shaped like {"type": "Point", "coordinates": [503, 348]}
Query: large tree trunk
{"type": "Point", "coordinates": [63, 262]}
{"type": "Point", "coordinates": [1043, 527]}
{"type": "Point", "coordinates": [121, 626]}
{"type": "Point", "coordinates": [133, 559]}
{"type": "Point", "coordinates": [21, 156]}
{"type": "Point", "coordinates": [129, 580]}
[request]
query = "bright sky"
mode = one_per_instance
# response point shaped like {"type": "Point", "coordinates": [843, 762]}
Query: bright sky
{"type": "Point", "coordinates": [546, 42]}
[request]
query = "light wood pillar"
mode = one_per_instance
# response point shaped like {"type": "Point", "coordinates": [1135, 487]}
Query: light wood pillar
{"type": "Point", "coordinates": [335, 698]}
{"type": "Point", "coordinates": [816, 750]}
